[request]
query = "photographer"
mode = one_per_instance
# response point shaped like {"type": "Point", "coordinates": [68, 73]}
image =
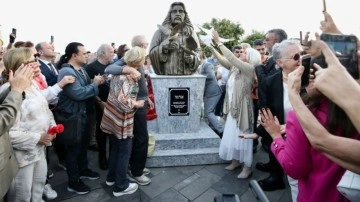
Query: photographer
{"type": "Point", "coordinates": [343, 151]}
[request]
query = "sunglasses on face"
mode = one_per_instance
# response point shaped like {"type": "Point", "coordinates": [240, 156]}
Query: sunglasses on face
{"type": "Point", "coordinates": [296, 57]}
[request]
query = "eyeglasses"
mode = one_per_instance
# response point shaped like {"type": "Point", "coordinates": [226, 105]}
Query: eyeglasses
{"type": "Point", "coordinates": [296, 57]}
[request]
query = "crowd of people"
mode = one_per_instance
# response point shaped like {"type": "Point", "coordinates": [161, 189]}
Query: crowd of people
{"type": "Point", "coordinates": [253, 94]}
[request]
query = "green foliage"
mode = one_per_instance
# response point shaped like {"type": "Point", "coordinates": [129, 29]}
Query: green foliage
{"type": "Point", "coordinates": [253, 36]}
{"type": "Point", "coordinates": [226, 29]}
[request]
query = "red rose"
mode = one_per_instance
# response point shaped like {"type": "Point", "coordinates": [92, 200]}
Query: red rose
{"type": "Point", "coordinates": [59, 128]}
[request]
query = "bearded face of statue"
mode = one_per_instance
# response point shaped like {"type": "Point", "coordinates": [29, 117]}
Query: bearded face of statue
{"type": "Point", "coordinates": [177, 15]}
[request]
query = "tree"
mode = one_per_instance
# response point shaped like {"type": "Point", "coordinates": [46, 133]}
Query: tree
{"type": "Point", "coordinates": [253, 36]}
{"type": "Point", "coordinates": [226, 29]}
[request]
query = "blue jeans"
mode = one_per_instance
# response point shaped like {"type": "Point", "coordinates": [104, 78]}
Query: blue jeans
{"type": "Point", "coordinates": [119, 162]}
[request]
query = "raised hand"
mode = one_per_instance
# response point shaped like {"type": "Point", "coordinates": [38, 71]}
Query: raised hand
{"type": "Point", "coordinates": [328, 25]}
{"type": "Point", "coordinates": [22, 78]}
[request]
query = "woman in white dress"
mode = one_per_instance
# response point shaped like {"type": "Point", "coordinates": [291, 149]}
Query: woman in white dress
{"type": "Point", "coordinates": [238, 108]}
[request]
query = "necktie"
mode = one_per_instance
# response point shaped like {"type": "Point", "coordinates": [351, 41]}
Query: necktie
{"type": "Point", "coordinates": [52, 68]}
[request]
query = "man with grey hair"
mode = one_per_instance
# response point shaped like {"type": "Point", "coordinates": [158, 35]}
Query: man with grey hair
{"type": "Point", "coordinates": [141, 135]}
{"type": "Point", "coordinates": [105, 55]}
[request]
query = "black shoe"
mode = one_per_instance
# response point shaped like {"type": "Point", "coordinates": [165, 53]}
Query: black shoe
{"type": "Point", "coordinates": [272, 183]}
{"type": "Point", "coordinates": [265, 167]}
{"type": "Point", "coordinates": [93, 147]}
{"type": "Point", "coordinates": [89, 174]}
{"type": "Point", "coordinates": [78, 187]}
{"type": "Point", "coordinates": [103, 163]}
{"type": "Point", "coordinates": [50, 173]}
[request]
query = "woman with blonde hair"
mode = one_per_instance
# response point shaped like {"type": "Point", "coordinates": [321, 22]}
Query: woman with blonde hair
{"type": "Point", "coordinates": [118, 120]}
{"type": "Point", "coordinates": [29, 134]}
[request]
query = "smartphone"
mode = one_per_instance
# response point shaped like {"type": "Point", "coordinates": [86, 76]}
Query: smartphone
{"type": "Point", "coordinates": [52, 39]}
{"type": "Point", "coordinates": [13, 31]}
{"type": "Point", "coordinates": [345, 49]}
{"type": "Point", "coordinates": [306, 62]}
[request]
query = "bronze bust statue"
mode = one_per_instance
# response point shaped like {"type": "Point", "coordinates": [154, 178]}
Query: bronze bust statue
{"type": "Point", "coordinates": [174, 48]}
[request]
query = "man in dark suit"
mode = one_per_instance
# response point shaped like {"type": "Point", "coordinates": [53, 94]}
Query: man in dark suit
{"type": "Point", "coordinates": [11, 101]}
{"type": "Point", "coordinates": [46, 56]}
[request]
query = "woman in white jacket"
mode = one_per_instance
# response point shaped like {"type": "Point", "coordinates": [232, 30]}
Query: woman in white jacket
{"type": "Point", "coordinates": [29, 135]}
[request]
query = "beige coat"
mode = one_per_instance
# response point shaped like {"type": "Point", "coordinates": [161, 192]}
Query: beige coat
{"type": "Point", "coordinates": [10, 105]}
{"type": "Point", "coordinates": [241, 107]}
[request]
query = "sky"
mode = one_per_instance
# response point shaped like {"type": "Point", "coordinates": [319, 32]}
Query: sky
{"type": "Point", "coordinates": [96, 22]}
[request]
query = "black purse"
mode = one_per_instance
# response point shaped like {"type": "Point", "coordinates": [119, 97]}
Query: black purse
{"type": "Point", "coordinates": [73, 127]}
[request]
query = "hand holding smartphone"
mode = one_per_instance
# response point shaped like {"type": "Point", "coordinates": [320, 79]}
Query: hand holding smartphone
{"type": "Point", "coordinates": [13, 31]}
{"type": "Point", "coordinates": [306, 62]}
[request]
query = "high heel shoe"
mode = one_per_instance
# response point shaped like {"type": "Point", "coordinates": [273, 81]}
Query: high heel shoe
{"type": "Point", "coordinates": [234, 164]}
{"type": "Point", "coordinates": [245, 173]}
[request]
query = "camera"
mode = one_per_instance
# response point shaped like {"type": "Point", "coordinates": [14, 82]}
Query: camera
{"type": "Point", "coordinates": [345, 49]}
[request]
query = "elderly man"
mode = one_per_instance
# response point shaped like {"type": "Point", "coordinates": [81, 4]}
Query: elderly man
{"type": "Point", "coordinates": [174, 47]}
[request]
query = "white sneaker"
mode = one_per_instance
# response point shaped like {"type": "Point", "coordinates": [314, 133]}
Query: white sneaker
{"type": "Point", "coordinates": [109, 183]}
{"type": "Point", "coordinates": [141, 180]}
{"type": "Point", "coordinates": [234, 164]}
{"type": "Point", "coordinates": [146, 171]}
{"type": "Point", "coordinates": [49, 193]}
{"type": "Point", "coordinates": [131, 189]}
{"type": "Point", "coordinates": [245, 173]}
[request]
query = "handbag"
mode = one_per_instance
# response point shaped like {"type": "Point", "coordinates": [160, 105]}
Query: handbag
{"type": "Point", "coordinates": [349, 186]}
{"type": "Point", "coordinates": [73, 127]}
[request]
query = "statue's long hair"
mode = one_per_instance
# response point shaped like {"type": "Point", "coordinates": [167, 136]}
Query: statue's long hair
{"type": "Point", "coordinates": [188, 29]}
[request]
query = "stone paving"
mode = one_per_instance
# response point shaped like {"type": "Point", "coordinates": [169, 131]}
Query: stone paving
{"type": "Point", "coordinates": [176, 184]}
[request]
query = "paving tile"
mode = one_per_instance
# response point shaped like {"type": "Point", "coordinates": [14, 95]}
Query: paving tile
{"type": "Point", "coordinates": [163, 181]}
{"type": "Point", "coordinates": [286, 196]}
{"type": "Point", "coordinates": [189, 170]}
{"type": "Point", "coordinates": [170, 195]}
{"type": "Point", "coordinates": [155, 171]}
{"type": "Point", "coordinates": [100, 194]}
{"type": "Point", "coordinates": [231, 184]}
{"type": "Point", "coordinates": [186, 182]}
{"type": "Point", "coordinates": [200, 185]}
{"type": "Point", "coordinates": [208, 196]}
{"type": "Point", "coordinates": [217, 169]}
{"type": "Point", "coordinates": [248, 196]}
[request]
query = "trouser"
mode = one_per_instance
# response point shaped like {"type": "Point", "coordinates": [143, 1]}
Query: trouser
{"type": "Point", "coordinates": [256, 114]}
{"type": "Point", "coordinates": [29, 182]}
{"type": "Point", "coordinates": [140, 142]}
{"type": "Point", "coordinates": [294, 188]}
{"type": "Point", "coordinates": [209, 108]}
{"type": "Point", "coordinates": [76, 154]}
{"type": "Point", "coordinates": [119, 160]}
{"type": "Point", "coordinates": [101, 137]}
{"type": "Point", "coordinates": [92, 130]}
